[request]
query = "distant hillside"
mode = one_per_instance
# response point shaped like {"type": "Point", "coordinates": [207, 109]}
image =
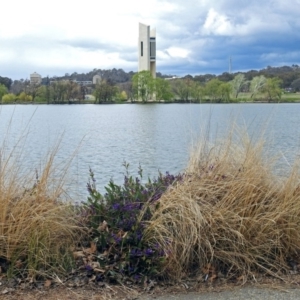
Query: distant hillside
{"type": "Point", "coordinates": [290, 76]}
{"type": "Point", "coordinates": [114, 75]}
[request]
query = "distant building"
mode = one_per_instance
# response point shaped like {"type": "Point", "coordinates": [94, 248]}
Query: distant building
{"type": "Point", "coordinates": [97, 79]}
{"type": "Point", "coordinates": [35, 78]}
{"type": "Point", "coordinates": [147, 49]}
{"type": "Point", "coordinates": [79, 82]}
{"type": "Point", "coordinates": [83, 82]}
{"type": "Point", "coordinates": [172, 78]}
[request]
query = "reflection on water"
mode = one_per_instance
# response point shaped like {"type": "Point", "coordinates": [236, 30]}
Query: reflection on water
{"type": "Point", "coordinates": [156, 135]}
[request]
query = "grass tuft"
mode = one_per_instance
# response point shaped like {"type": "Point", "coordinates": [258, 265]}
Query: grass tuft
{"type": "Point", "coordinates": [37, 228]}
{"type": "Point", "coordinates": [230, 212]}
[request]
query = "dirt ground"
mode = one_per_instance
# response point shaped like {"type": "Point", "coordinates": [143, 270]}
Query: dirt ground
{"type": "Point", "coordinates": [268, 288]}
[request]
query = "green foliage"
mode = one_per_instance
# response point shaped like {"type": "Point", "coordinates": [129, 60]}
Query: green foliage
{"type": "Point", "coordinates": [198, 91]}
{"type": "Point", "coordinates": [40, 94]}
{"type": "Point", "coordinates": [122, 96]}
{"type": "Point", "coordinates": [237, 84]}
{"type": "Point", "coordinates": [257, 85]}
{"type": "Point", "coordinates": [6, 82]}
{"type": "Point", "coordinates": [182, 88]}
{"type": "Point", "coordinates": [218, 91]}
{"type": "Point", "coordinates": [143, 85]}
{"type": "Point", "coordinates": [212, 89]}
{"type": "Point", "coordinates": [162, 89]}
{"type": "Point", "coordinates": [9, 98]}
{"type": "Point", "coordinates": [272, 89]}
{"type": "Point", "coordinates": [105, 91]}
{"type": "Point", "coordinates": [24, 97]}
{"type": "Point", "coordinates": [39, 99]}
{"type": "Point", "coordinates": [62, 91]}
{"type": "Point", "coordinates": [57, 91]}
{"type": "Point", "coordinates": [3, 90]}
{"type": "Point", "coordinates": [296, 85]}
{"type": "Point", "coordinates": [224, 91]}
{"type": "Point", "coordinates": [118, 220]}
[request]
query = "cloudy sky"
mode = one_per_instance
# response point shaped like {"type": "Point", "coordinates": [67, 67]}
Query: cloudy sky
{"type": "Point", "coordinates": [193, 36]}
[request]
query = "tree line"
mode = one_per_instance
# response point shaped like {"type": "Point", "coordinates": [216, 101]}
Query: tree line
{"type": "Point", "coordinates": [266, 85]}
{"type": "Point", "coordinates": [187, 89]}
{"type": "Point", "coordinates": [143, 87]}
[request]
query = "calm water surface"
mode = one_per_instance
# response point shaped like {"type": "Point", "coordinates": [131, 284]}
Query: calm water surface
{"type": "Point", "coordinates": [159, 136]}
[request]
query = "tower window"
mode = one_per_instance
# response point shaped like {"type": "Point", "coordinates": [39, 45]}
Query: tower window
{"type": "Point", "coordinates": [142, 49]}
{"type": "Point", "coordinates": [152, 49]}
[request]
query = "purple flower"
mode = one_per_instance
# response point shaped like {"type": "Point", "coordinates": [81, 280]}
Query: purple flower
{"type": "Point", "coordinates": [88, 268]}
{"type": "Point", "coordinates": [116, 206]}
{"type": "Point", "coordinates": [136, 253]}
{"type": "Point", "coordinates": [116, 238]}
{"type": "Point", "coordinates": [137, 277]}
{"type": "Point", "coordinates": [148, 252]}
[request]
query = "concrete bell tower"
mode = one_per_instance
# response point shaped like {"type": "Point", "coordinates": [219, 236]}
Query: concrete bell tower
{"type": "Point", "coordinates": [147, 49]}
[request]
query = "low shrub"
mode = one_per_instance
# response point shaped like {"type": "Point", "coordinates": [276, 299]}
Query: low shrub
{"type": "Point", "coordinates": [118, 220]}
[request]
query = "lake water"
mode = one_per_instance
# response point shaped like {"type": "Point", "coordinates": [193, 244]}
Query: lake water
{"type": "Point", "coordinates": [158, 136]}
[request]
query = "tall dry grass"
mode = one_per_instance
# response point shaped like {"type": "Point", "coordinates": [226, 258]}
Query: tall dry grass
{"type": "Point", "coordinates": [230, 212]}
{"type": "Point", "coordinates": [37, 228]}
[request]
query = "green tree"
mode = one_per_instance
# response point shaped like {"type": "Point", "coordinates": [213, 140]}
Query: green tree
{"type": "Point", "coordinates": [197, 91]}
{"type": "Point", "coordinates": [162, 89]}
{"type": "Point", "coordinates": [72, 90]}
{"type": "Point", "coordinates": [105, 91]}
{"type": "Point", "coordinates": [272, 89]}
{"type": "Point", "coordinates": [143, 85]}
{"type": "Point", "coordinates": [122, 96]}
{"type": "Point", "coordinates": [3, 90]}
{"type": "Point", "coordinates": [237, 84]}
{"type": "Point", "coordinates": [41, 94]}
{"type": "Point", "coordinates": [212, 89]}
{"type": "Point", "coordinates": [224, 91]}
{"type": "Point", "coordinates": [8, 98]}
{"type": "Point", "coordinates": [58, 91]}
{"type": "Point", "coordinates": [218, 91]}
{"type": "Point", "coordinates": [182, 88]}
{"type": "Point", "coordinates": [128, 89]}
{"type": "Point", "coordinates": [226, 77]}
{"type": "Point", "coordinates": [296, 85]}
{"type": "Point", "coordinates": [23, 97]}
{"type": "Point", "coordinates": [257, 84]}
{"type": "Point", "coordinates": [32, 90]}
{"type": "Point", "coordinates": [6, 81]}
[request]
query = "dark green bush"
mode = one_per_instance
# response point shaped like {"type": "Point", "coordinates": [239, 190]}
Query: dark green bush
{"type": "Point", "coordinates": [117, 220]}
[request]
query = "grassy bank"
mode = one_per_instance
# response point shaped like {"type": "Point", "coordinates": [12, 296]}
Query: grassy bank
{"type": "Point", "coordinates": [228, 215]}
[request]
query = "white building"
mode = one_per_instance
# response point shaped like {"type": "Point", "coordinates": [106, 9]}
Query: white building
{"type": "Point", "coordinates": [83, 82]}
{"type": "Point", "coordinates": [35, 78]}
{"type": "Point", "coordinates": [147, 49]}
{"type": "Point", "coordinates": [97, 79]}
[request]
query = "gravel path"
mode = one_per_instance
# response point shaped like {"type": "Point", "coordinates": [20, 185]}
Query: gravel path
{"type": "Point", "coordinates": [238, 293]}
{"type": "Point", "coordinates": [232, 293]}
{"type": "Point", "coordinates": [251, 293]}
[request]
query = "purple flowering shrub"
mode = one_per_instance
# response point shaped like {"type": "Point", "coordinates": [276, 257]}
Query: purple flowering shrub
{"type": "Point", "coordinates": [118, 219]}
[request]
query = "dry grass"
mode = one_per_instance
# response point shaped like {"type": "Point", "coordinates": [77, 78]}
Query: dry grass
{"type": "Point", "coordinates": [37, 228]}
{"type": "Point", "coordinates": [230, 212]}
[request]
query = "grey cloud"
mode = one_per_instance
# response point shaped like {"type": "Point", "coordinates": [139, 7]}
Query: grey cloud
{"type": "Point", "coordinates": [270, 36]}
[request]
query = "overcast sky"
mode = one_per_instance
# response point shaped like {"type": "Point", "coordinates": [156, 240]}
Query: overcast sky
{"type": "Point", "coordinates": [193, 36]}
